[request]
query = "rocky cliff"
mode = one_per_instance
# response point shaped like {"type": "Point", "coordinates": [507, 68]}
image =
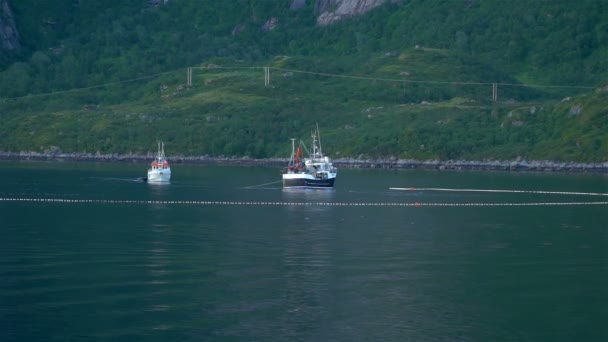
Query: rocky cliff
{"type": "Point", "coordinates": [329, 11]}
{"type": "Point", "coordinates": [9, 36]}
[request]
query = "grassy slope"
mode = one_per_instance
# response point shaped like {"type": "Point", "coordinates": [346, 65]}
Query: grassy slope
{"type": "Point", "coordinates": [230, 112]}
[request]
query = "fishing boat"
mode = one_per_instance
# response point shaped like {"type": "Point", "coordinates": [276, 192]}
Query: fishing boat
{"type": "Point", "coordinates": [159, 171]}
{"type": "Point", "coordinates": [316, 171]}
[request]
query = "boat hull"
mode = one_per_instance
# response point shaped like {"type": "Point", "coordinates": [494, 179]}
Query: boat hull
{"type": "Point", "coordinates": [159, 176]}
{"type": "Point", "coordinates": [307, 181]}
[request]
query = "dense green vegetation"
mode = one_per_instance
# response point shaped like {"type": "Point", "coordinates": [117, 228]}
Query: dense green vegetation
{"type": "Point", "coordinates": [418, 85]}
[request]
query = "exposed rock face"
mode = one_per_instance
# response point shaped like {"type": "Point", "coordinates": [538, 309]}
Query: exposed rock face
{"type": "Point", "coordinates": [297, 4]}
{"type": "Point", "coordinates": [157, 2]}
{"type": "Point", "coordinates": [270, 24]}
{"type": "Point", "coordinates": [330, 11]}
{"type": "Point", "coordinates": [238, 29]}
{"type": "Point", "coordinates": [576, 110]}
{"type": "Point", "coordinates": [9, 36]}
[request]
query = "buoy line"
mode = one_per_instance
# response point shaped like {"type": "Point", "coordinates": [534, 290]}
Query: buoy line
{"type": "Point", "coordinates": [297, 204]}
{"type": "Point", "coordinates": [505, 191]}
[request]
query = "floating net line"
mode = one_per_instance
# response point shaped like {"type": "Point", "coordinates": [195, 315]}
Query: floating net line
{"type": "Point", "coordinates": [295, 204]}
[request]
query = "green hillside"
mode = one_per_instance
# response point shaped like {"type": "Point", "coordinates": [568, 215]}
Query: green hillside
{"type": "Point", "coordinates": [410, 80]}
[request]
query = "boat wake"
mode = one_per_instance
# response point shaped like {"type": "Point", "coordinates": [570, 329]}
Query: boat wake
{"type": "Point", "coordinates": [116, 179]}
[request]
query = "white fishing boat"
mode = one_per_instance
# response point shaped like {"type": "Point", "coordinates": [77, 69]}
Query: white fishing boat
{"type": "Point", "coordinates": [316, 171]}
{"type": "Point", "coordinates": [159, 171]}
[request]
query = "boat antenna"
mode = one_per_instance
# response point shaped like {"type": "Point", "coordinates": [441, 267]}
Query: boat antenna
{"type": "Point", "coordinates": [319, 137]}
{"type": "Point", "coordinates": [293, 150]}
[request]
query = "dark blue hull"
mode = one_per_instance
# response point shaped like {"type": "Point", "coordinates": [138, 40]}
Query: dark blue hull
{"type": "Point", "coordinates": [309, 183]}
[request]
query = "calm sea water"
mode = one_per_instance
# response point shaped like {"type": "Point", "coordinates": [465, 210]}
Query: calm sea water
{"type": "Point", "coordinates": [177, 271]}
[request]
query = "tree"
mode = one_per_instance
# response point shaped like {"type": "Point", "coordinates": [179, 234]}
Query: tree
{"type": "Point", "coordinates": [16, 80]}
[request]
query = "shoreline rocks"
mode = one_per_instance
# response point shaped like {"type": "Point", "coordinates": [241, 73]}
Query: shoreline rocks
{"type": "Point", "coordinates": [389, 163]}
{"type": "Point", "coordinates": [464, 165]}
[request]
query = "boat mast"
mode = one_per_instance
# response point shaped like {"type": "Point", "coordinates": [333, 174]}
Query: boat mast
{"type": "Point", "coordinates": [315, 145]}
{"type": "Point", "coordinates": [293, 151]}
{"type": "Point", "coordinates": [319, 137]}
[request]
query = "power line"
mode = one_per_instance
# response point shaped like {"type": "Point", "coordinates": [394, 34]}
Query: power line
{"type": "Point", "coordinates": [397, 80]}
{"type": "Point", "coordinates": [544, 86]}
{"type": "Point", "coordinates": [381, 79]}
{"type": "Point", "coordinates": [88, 88]}
{"type": "Point", "coordinates": [430, 82]}
{"type": "Point", "coordinates": [266, 75]}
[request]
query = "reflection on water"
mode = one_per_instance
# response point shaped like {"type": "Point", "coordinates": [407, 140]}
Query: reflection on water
{"type": "Point", "coordinates": [158, 262]}
{"type": "Point", "coordinates": [155, 185]}
{"type": "Point", "coordinates": [308, 195]}
{"type": "Point", "coordinates": [158, 190]}
{"type": "Point", "coordinates": [307, 261]}
{"type": "Point", "coordinates": [305, 201]}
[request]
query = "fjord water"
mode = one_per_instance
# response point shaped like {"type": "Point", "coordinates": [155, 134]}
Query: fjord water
{"type": "Point", "coordinates": [161, 269]}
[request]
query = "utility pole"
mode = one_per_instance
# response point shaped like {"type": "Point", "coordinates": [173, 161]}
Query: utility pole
{"type": "Point", "coordinates": [266, 76]}
{"type": "Point", "coordinates": [189, 77]}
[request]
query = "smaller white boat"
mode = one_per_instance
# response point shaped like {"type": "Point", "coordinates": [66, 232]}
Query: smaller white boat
{"type": "Point", "coordinates": [159, 171]}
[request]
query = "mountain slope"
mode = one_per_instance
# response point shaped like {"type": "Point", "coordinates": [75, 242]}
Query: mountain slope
{"type": "Point", "coordinates": [407, 79]}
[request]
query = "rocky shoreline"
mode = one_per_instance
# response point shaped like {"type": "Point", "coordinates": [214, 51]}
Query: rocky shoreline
{"type": "Point", "coordinates": [389, 163]}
